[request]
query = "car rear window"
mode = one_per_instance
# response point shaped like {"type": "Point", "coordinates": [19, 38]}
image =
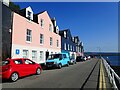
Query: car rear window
{"type": "Point", "coordinates": [5, 62]}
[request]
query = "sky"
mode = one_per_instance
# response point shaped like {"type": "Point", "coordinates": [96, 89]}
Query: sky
{"type": "Point", "coordinates": [96, 23]}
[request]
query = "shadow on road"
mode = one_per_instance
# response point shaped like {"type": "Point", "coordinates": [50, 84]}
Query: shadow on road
{"type": "Point", "coordinates": [30, 77]}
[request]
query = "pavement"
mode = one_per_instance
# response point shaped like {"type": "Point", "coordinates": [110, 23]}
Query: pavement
{"type": "Point", "coordinates": [81, 75]}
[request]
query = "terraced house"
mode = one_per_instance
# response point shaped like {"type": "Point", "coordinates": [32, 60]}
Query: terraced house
{"type": "Point", "coordinates": [67, 43]}
{"type": "Point", "coordinates": [79, 46]}
{"type": "Point", "coordinates": [33, 36]}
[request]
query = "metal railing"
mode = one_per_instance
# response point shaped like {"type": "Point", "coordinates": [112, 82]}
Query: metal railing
{"type": "Point", "coordinates": [112, 75]}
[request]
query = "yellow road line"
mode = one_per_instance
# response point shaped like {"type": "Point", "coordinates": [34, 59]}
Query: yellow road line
{"type": "Point", "coordinates": [102, 83]}
{"type": "Point", "coordinates": [100, 80]}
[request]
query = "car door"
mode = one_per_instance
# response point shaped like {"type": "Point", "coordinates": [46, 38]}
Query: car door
{"type": "Point", "coordinates": [64, 59]}
{"type": "Point", "coordinates": [19, 67]}
{"type": "Point", "coordinates": [61, 59]}
{"type": "Point", "coordinates": [30, 67]}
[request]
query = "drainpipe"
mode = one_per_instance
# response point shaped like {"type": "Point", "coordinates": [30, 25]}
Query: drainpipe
{"type": "Point", "coordinates": [11, 31]}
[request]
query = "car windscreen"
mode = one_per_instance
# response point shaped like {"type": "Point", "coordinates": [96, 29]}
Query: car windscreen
{"type": "Point", "coordinates": [53, 56]}
{"type": "Point", "coordinates": [5, 62]}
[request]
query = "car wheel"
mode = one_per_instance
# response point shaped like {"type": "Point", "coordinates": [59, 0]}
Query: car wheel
{"type": "Point", "coordinates": [75, 62]}
{"type": "Point", "coordinates": [38, 71]}
{"type": "Point", "coordinates": [68, 64]}
{"type": "Point", "coordinates": [14, 77]}
{"type": "Point", "coordinates": [59, 66]}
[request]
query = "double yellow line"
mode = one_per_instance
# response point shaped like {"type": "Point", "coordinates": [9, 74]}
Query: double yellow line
{"type": "Point", "coordinates": [102, 81]}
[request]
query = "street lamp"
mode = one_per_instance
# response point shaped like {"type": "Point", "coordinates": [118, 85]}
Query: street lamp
{"type": "Point", "coordinates": [99, 49]}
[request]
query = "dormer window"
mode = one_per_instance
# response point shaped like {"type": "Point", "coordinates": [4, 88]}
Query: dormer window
{"type": "Point", "coordinates": [57, 30]}
{"type": "Point", "coordinates": [75, 40]}
{"type": "Point", "coordinates": [65, 34]}
{"type": "Point", "coordinates": [29, 13]}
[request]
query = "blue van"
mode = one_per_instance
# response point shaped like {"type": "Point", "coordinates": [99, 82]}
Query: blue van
{"type": "Point", "coordinates": [57, 60]}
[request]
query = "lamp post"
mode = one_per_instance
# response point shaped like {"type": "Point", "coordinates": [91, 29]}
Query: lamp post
{"type": "Point", "coordinates": [99, 49]}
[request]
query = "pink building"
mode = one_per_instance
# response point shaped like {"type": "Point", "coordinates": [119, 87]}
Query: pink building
{"type": "Point", "coordinates": [33, 36]}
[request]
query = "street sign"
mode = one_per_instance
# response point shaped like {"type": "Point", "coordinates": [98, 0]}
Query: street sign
{"type": "Point", "coordinates": [17, 51]}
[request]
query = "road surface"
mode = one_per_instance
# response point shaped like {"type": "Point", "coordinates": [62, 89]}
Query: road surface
{"type": "Point", "coordinates": [83, 74]}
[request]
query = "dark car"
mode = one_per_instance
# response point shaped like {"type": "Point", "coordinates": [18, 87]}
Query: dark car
{"type": "Point", "coordinates": [79, 58]}
{"type": "Point", "coordinates": [72, 61]}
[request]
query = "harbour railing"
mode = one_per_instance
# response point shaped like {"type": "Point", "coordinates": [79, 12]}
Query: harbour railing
{"type": "Point", "coordinates": [113, 77]}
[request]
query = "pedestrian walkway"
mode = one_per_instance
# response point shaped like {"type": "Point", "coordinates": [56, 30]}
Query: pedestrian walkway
{"type": "Point", "coordinates": [104, 82]}
{"type": "Point", "coordinates": [98, 78]}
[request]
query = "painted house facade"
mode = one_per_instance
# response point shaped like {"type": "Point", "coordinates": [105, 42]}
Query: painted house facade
{"type": "Point", "coordinates": [79, 46]}
{"type": "Point", "coordinates": [33, 36]}
{"type": "Point", "coordinates": [67, 43]}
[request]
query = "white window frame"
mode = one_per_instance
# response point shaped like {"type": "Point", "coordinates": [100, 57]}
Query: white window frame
{"type": "Point", "coordinates": [75, 40]}
{"type": "Point", "coordinates": [41, 39]}
{"type": "Point", "coordinates": [41, 55]}
{"type": "Point", "coordinates": [65, 46]}
{"type": "Point", "coordinates": [34, 56]}
{"type": "Point", "coordinates": [51, 41]}
{"type": "Point", "coordinates": [71, 47]}
{"type": "Point", "coordinates": [65, 34]}
{"type": "Point", "coordinates": [29, 16]}
{"type": "Point", "coordinates": [76, 49]}
{"type": "Point", "coordinates": [57, 43]}
{"type": "Point", "coordinates": [42, 23]}
{"type": "Point", "coordinates": [50, 27]}
{"type": "Point", "coordinates": [29, 35]}
{"type": "Point", "coordinates": [25, 53]}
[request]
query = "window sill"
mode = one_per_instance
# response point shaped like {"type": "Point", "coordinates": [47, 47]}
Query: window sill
{"type": "Point", "coordinates": [28, 42]}
{"type": "Point", "coordinates": [41, 44]}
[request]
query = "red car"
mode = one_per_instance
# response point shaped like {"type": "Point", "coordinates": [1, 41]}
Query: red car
{"type": "Point", "coordinates": [13, 69]}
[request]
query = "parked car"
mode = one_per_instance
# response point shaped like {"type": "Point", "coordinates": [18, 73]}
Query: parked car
{"type": "Point", "coordinates": [79, 58]}
{"type": "Point", "coordinates": [88, 57]}
{"type": "Point", "coordinates": [72, 61]}
{"type": "Point", "coordinates": [13, 69]}
{"type": "Point", "coordinates": [57, 60]}
{"type": "Point", "coordinates": [85, 58]}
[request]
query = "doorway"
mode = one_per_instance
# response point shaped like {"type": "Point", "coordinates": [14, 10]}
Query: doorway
{"type": "Point", "coordinates": [47, 54]}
